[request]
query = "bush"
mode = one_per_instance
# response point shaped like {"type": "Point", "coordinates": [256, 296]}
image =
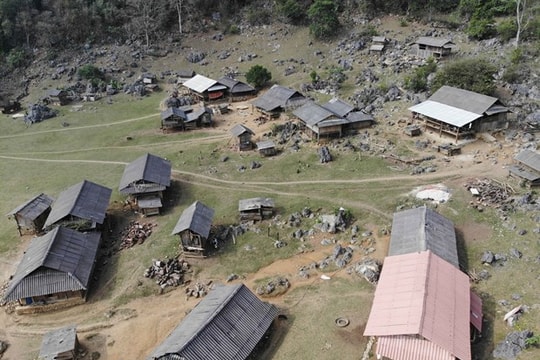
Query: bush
{"type": "Point", "coordinates": [293, 12]}
{"type": "Point", "coordinates": [324, 20]}
{"type": "Point", "coordinates": [90, 72]}
{"type": "Point", "coordinates": [259, 16]}
{"type": "Point", "coordinates": [472, 74]}
{"type": "Point", "coordinates": [258, 75]}
{"type": "Point", "coordinates": [507, 29]}
{"type": "Point", "coordinates": [16, 58]}
{"type": "Point", "coordinates": [516, 56]}
{"type": "Point", "coordinates": [512, 74]}
{"type": "Point", "coordinates": [234, 29]}
{"type": "Point", "coordinates": [480, 28]}
{"type": "Point", "coordinates": [418, 80]}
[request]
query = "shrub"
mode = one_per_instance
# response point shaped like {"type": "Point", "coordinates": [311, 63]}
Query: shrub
{"type": "Point", "coordinates": [258, 75]}
{"type": "Point", "coordinates": [418, 80]}
{"type": "Point", "coordinates": [507, 29]}
{"type": "Point", "coordinates": [16, 58]}
{"type": "Point", "coordinates": [512, 74]}
{"type": "Point", "coordinates": [314, 76]}
{"type": "Point", "coordinates": [516, 56]}
{"type": "Point", "coordinates": [474, 74]}
{"type": "Point", "coordinates": [480, 28]}
{"type": "Point", "coordinates": [259, 16]}
{"type": "Point", "coordinates": [324, 20]}
{"type": "Point", "coordinates": [292, 11]}
{"type": "Point", "coordinates": [234, 29]}
{"type": "Point", "coordinates": [90, 72]}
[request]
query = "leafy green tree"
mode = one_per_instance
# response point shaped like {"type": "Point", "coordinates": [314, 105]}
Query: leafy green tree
{"type": "Point", "coordinates": [474, 74]}
{"type": "Point", "coordinates": [507, 29]}
{"type": "Point", "coordinates": [258, 75]}
{"type": "Point", "coordinates": [90, 72]}
{"type": "Point", "coordinates": [418, 80]}
{"type": "Point", "coordinates": [292, 10]}
{"type": "Point", "coordinates": [323, 17]}
{"type": "Point", "coordinates": [480, 28]}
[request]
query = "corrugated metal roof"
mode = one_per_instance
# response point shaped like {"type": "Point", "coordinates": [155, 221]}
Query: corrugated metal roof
{"type": "Point", "coordinates": [359, 116]}
{"type": "Point", "coordinates": [226, 325]}
{"type": "Point", "coordinates": [376, 47]}
{"type": "Point", "coordinates": [378, 39]}
{"type": "Point", "coordinates": [421, 229]}
{"type": "Point", "coordinates": [199, 83]}
{"type": "Point", "coordinates": [422, 294]}
{"type": "Point", "coordinates": [144, 170]}
{"type": "Point", "coordinates": [34, 207]}
{"type": "Point", "coordinates": [239, 129]}
{"type": "Point", "coordinates": [85, 200]}
{"type": "Point", "coordinates": [529, 158]}
{"type": "Point", "coordinates": [527, 175]}
{"type": "Point", "coordinates": [445, 113]}
{"type": "Point", "coordinates": [197, 218]}
{"type": "Point", "coordinates": [173, 111]}
{"type": "Point", "coordinates": [463, 99]}
{"type": "Point", "coordinates": [255, 203]}
{"type": "Point", "coordinates": [236, 86]}
{"type": "Point", "coordinates": [434, 41]}
{"type": "Point", "coordinates": [338, 107]}
{"type": "Point", "coordinates": [265, 144]}
{"type": "Point", "coordinates": [58, 341]}
{"type": "Point", "coordinates": [312, 114]}
{"type": "Point", "coordinates": [61, 260]}
{"type": "Point", "coordinates": [197, 113]}
{"type": "Point", "coordinates": [277, 96]}
{"type": "Point", "coordinates": [407, 347]}
{"type": "Point", "coordinates": [149, 202]}
{"type": "Point", "coordinates": [476, 311]}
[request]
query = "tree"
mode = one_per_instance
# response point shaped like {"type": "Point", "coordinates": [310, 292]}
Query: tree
{"type": "Point", "coordinates": [323, 17]}
{"type": "Point", "coordinates": [470, 74]}
{"type": "Point", "coordinates": [258, 76]}
{"type": "Point", "coordinates": [521, 9]}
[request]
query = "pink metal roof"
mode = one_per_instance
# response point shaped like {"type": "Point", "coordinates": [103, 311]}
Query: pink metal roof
{"type": "Point", "coordinates": [476, 311]}
{"type": "Point", "coordinates": [410, 347]}
{"type": "Point", "coordinates": [421, 294]}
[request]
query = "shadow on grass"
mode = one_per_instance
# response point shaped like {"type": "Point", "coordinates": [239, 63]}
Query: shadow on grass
{"type": "Point", "coordinates": [482, 349]}
{"type": "Point", "coordinates": [267, 348]}
{"type": "Point", "coordinates": [462, 251]}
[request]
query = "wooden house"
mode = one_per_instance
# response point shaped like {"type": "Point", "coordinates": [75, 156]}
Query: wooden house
{"type": "Point", "coordinates": [30, 216]}
{"type": "Point", "coordinates": [460, 113]}
{"type": "Point", "coordinates": [193, 228]}
{"type": "Point", "coordinates": [198, 116]}
{"type": "Point", "coordinates": [378, 43]}
{"type": "Point", "coordinates": [60, 344]}
{"type": "Point", "coordinates": [527, 167]}
{"type": "Point", "coordinates": [278, 99]}
{"type": "Point", "coordinates": [55, 271]}
{"type": "Point", "coordinates": [205, 89]}
{"type": "Point", "coordinates": [149, 81]}
{"type": "Point", "coordinates": [227, 324]}
{"type": "Point", "coordinates": [184, 75]}
{"type": "Point", "coordinates": [82, 206]}
{"type": "Point", "coordinates": [256, 208]}
{"type": "Point", "coordinates": [144, 180]}
{"type": "Point", "coordinates": [429, 46]}
{"type": "Point", "coordinates": [57, 97]}
{"type": "Point", "coordinates": [266, 148]}
{"type": "Point", "coordinates": [335, 118]}
{"type": "Point", "coordinates": [173, 118]}
{"type": "Point", "coordinates": [238, 90]}
{"type": "Point", "coordinates": [421, 309]}
{"type": "Point", "coordinates": [242, 136]}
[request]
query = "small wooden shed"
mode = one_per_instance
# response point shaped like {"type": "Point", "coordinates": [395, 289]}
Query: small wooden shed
{"type": "Point", "coordinates": [173, 118]}
{"type": "Point", "coordinates": [60, 344]}
{"type": "Point", "coordinates": [57, 97]}
{"type": "Point", "coordinates": [527, 167]}
{"type": "Point", "coordinates": [256, 208]}
{"type": "Point", "coordinates": [266, 148]}
{"type": "Point", "coordinates": [193, 227]}
{"type": "Point", "coordinates": [378, 44]}
{"type": "Point", "coordinates": [427, 46]}
{"type": "Point", "coordinates": [243, 135]}
{"type": "Point", "coordinates": [31, 216]}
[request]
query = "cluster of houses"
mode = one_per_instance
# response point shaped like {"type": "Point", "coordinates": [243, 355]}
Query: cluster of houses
{"type": "Point", "coordinates": [423, 308]}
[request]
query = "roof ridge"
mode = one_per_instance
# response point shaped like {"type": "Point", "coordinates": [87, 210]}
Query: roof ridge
{"type": "Point", "coordinates": [424, 294]}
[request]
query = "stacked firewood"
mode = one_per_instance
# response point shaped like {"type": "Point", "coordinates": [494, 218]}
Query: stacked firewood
{"type": "Point", "coordinates": [168, 273]}
{"type": "Point", "coordinates": [490, 193]}
{"type": "Point", "coordinates": [135, 233]}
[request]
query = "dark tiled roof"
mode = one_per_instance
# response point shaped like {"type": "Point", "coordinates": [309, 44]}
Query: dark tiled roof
{"type": "Point", "coordinates": [239, 129]}
{"type": "Point", "coordinates": [312, 114]}
{"type": "Point", "coordinates": [236, 86]}
{"type": "Point", "coordinates": [197, 218]}
{"type": "Point", "coordinates": [463, 99]}
{"type": "Point", "coordinates": [173, 111]}
{"type": "Point", "coordinates": [34, 207]}
{"type": "Point", "coordinates": [226, 325]}
{"type": "Point", "coordinates": [61, 260]}
{"type": "Point", "coordinates": [85, 200]}
{"type": "Point", "coordinates": [338, 107]}
{"type": "Point", "coordinates": [277, 96]}
{"type": "Point", "coordinates": [421, 229]}
{"type": "Point", "coordinates": [148, 173]}
{"type": "Point", "coordinates": [434, 41]}
{"type": "Point", "coordinates": [529, 158]}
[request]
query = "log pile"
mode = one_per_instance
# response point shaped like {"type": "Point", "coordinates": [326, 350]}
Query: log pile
{"type": "Point", "coordinates": [491, 193]}
{"type": "Point", "coordinates": [168, 273]}
{"type": "Point", "coordinates": [135, 233]}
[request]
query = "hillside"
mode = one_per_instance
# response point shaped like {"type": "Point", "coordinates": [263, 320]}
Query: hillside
{"type": "Point", "coordinates": [127, 316]}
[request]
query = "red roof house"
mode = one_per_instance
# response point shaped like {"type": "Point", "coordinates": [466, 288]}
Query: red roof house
{"type": "Point", "coordinates": [421, 309]}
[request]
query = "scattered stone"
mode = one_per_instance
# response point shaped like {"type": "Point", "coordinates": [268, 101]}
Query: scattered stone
{"type": "Point", "coordinates": [513, 344]}
{"type": "Point", "coordinates": [168, 273]}
{"type": "Point", "coordinates": [516, 253]}
{"type": "Point", "coordinates": [274, 287]}
{"type": "Point", "coordinates": [232, 277]}
{"type": "Point", "coordinates": [369, 268]}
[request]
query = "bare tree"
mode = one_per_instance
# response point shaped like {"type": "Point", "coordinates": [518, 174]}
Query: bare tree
{"type": "Point", "coordinates": [146, 19]}
{"type": "Point", "coordinates": [179, 4]}
{"type": "Point", "coordinates": [521, 19]}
